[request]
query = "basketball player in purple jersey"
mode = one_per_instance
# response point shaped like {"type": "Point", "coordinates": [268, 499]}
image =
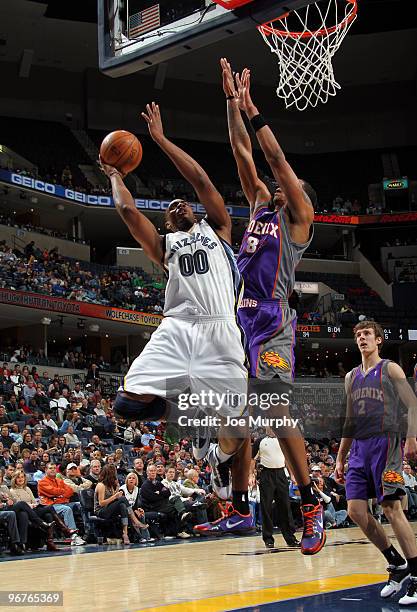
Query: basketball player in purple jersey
{"type": "Point", "coordinates": [279, 231]}
{"type": "Point", "coordinates": [372, 432]}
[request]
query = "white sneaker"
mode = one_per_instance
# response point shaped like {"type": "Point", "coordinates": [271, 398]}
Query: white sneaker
{"type": "Point", "coordinates": [184, 535]}
{"type": "Point", "coordinates": [410, 598]}
{"type": "Point", "coordinates": [221, 478]}
{"type": "Point", "coordinates": [396, 578]}
{"type": "Point", "coordinates": [200, 439]}
{"type": "Point", "coordinates": [169, 538]}
{"type": "Point", "coordinates": [76, 540]}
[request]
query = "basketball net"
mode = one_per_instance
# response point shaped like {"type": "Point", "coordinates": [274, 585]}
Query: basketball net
{"type": "Point", "coordinates": [305, 56]}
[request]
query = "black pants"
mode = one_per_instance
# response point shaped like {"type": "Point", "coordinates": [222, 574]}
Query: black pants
{"type": "Point", "coordinates": [273, 485]}
{"type": "Point", "coordinates": [45, 513]}
{"type": "Point", "coordinates": [25, 515]}
{"type": "Point", "coordinates": [170, 523]}
{"type": "Point", "coordinates": [118, 507]}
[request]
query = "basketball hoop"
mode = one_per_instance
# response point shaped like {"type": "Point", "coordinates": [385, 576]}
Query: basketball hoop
{"type": "Point", "coordinates": [232, 4]}
{"type": "Point", "coordinates": [305, 54]}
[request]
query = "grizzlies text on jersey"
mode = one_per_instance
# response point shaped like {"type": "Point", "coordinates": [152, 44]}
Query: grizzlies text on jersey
{"type": "Point", "coordinates": [203, 278]}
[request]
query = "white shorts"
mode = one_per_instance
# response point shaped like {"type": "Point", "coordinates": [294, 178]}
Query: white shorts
{"type": "Point", "coordinates": [199, 355]}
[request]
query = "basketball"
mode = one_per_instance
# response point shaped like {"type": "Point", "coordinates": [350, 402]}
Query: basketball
{"type": "Point", "coordinates": [122, 150]}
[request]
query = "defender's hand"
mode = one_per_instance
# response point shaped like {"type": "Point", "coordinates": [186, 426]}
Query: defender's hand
{"type": "Point", "coordinates": [228, 81]}
{"type": "Point", "coordinates": [243, 91]}
{"type": "Point", "coordinates": [154, 121]}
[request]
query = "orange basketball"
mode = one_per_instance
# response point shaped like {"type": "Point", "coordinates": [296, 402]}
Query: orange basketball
{"type": "Point", "coordinates": [122, 150]}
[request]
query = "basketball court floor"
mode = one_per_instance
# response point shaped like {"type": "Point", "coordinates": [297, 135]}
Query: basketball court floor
{"type": "Point", "coordinates": [208, 576]}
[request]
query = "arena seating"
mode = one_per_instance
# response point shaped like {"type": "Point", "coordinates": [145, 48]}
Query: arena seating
{"type": "Point", "coordinates": [28, 138]}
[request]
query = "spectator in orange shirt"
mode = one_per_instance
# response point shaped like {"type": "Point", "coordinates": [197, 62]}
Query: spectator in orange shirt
{"type": "Point", "coordinates": [55, 492]}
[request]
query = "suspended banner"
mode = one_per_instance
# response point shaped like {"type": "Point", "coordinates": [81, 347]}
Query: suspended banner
{"type": "Point", "coordinates": [81, 309]}
{"type": "Point", "coordinates": [242, 212]}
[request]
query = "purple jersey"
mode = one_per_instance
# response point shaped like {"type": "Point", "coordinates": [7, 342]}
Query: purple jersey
{"type": "Point", "coordinates": [268, 257]}
{"type": "Point", "coordinates": [375, 403]}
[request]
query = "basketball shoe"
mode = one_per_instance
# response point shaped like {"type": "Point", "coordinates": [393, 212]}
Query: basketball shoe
{"type": "Point", "coordinates": [221, 477]}
{"type": "Point", "coordinates": [314, 535]}
{"type": "Point", "coordinates": [397, 575]}
{"type": "Point", "coordinates": [231, 522]}
{"type": "Point", "coordinates": [410, 598]}
{"type": "Point", "coordinates": [200, 439]}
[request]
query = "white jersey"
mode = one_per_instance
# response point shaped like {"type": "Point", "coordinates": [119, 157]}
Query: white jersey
{"type": "Point", "coordinates": [203, 278]}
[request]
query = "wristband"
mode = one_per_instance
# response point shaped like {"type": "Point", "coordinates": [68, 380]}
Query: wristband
{"type": "Point", "coordinates": [257, 122]}
{"type": "Point", "coordinates": [230, 97]}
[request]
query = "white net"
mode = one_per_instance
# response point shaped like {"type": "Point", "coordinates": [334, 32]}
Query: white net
{"type": "Point", "coordinates": [304, 54]}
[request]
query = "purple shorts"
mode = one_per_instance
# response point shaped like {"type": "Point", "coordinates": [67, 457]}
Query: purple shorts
{"type": "Point", "coordinates": [270, 338]}
{"type": "Point", "coordinates": [375, 468]}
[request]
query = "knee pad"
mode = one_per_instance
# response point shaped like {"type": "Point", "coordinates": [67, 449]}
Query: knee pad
{"type": "Point", "coordinates": [139, 411]}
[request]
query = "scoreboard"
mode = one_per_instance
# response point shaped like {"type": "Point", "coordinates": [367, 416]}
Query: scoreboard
{"type": "Point", "coordinates": [395, 333]}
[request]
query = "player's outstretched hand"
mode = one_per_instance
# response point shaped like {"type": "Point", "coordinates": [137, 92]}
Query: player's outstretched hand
{"type": "Point", "coordinates": [228, 80]}
{"type": "Point", "coordinates": [410, 449]}
{"type": "Point", "coordinates": [243, 90]}
{"type": "Point", "coordinates": [154, 121]}
{"type": "Point", "coordinates": [339, 473]}
{"type": "Point", "coordinates": [109, 170]}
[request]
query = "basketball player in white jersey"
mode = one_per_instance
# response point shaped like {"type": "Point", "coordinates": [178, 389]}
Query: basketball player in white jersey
{"type": "Point", "coordinates": [198, 346]}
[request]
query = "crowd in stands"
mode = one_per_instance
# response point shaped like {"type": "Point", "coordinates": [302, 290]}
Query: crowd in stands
{"type": "Point", "coordinates": [70, 473]}
{"type": "Point", "coordinates": [405, 270]}
{"type": "Point", "coordinates": [48, 273]}
{"type": "Point", "coordinates": [7, 218]}
{"type": "Point", "coordinates": [334, 187]}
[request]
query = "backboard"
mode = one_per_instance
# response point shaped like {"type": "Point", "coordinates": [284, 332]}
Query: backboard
{"type": "Point", "coordinates": [136, 34]}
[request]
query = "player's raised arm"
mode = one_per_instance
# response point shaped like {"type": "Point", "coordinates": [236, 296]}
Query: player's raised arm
{"type": "Point", "coordinates": [299, 204]}
{"type": "Point", "coordinates": [208, 195]}
{"type": "Point", "coordinates": [254, 189]}
{"type": "Point", "coordinates": [139, 226]}
{"type": "Point", "coordinates": [409, 400]}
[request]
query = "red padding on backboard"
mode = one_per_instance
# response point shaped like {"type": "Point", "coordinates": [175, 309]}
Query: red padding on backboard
{"type": "Point", "coordinates": [232, 4]}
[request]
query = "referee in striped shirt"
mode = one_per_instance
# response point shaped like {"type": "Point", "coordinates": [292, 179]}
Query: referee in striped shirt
{"type": "Point", "coordinates": [273, 486]}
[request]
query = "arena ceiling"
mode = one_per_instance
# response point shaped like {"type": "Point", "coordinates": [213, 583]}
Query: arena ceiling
{"type": "Point", "coordinates": [382, 47]}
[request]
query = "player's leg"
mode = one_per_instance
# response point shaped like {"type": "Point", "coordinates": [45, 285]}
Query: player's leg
{"type": "Point", "coordinates": [386, 463]}
{"type": "Point", "coordinates": [358, 511]}
{"type": "Point", "coordinates": [367, 462]}
{"type": "Point", "coordinates": [155, 374]}
{"type": "Point", "coordinates": [222, 364]}
{"type": "Point", "coordinates": [237, 460]}
{"type": "Point", "coordinates": [407, 541]}
{"type": "Point", "coordinates": [275, 371]}
{"type": "Point", "coordinates": [398, 572]}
